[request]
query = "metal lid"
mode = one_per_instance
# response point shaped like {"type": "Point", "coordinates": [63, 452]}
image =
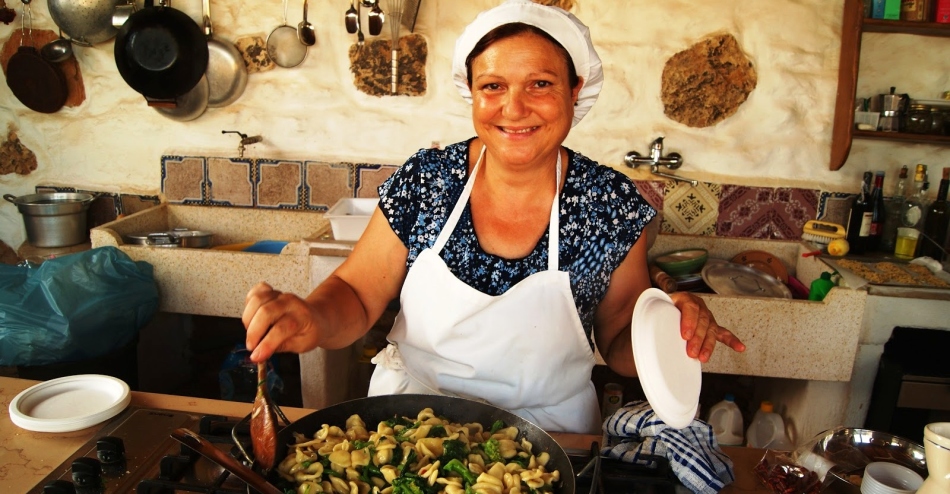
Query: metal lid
{"type": "Point", "coordinates": [727, 278]}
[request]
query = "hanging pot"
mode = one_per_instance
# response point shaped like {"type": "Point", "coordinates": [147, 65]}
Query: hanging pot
{"type": "Point", "coordinates": [85, 21]}
{"type": "Point", "coordinates": [36, 82]}
{"type": "Point", "coordinates": [161, 52]}
{"type": "Point", "coordinates": [186, 107]}
{"type": "Point", "coordinates": [227, 74]}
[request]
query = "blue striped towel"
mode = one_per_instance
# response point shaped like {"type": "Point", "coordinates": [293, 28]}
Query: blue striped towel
{"type": "Point", "coordinates": [693, 451]}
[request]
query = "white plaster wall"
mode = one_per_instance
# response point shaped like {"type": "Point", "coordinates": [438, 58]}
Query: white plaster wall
{"type": "Point", "coordinates": [780, 136]}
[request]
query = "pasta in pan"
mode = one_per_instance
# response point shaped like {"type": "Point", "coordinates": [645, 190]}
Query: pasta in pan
{"type": "Point", "coordinates": [424, 455]}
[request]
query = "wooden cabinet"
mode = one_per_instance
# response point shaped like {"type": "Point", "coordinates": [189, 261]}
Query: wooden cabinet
{"type": "Point", "coordinates": [853, 26]}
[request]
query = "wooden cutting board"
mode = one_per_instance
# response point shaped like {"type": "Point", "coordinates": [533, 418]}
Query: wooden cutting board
{"type": "Point", "coordinates": [76, 91]}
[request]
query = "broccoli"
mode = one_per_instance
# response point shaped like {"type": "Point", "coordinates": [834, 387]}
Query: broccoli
{"type": "Point", "coordinates": [369, 471]}
{"type": "Point", "coordinates": [451, 449]}
{"type": "Point", "coordinates": [497, 426]}
{"type": "Point", "coordinates": [409, 461]}
{"type": "Point", "coordinates": [521, 460]}
{"type": "Point", "coordinates": [457, 467]}
{"type": "Point", "coordinates": [469, 490]}
{"type": "Point", "coordinates": [410, 484]}
{"type": "Point", "coordinates": [358, 444]}
{"type": "Point", "coordinates": [437, 431]}
{"type": "Point", "coordinates": [491, 449]}
{"type": "Point", "coordinates": [397, 420]}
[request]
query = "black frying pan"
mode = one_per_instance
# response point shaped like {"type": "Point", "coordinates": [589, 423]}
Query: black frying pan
{"type": "Point", "coordinates": [376, 409]}
{"type": "Point", "coordinates": [161, 52]}
{"type": "Point", "coordinates": [36, 82]}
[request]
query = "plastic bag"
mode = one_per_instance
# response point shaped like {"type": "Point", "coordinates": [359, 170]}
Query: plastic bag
{"type": "Point", "coordinates": [74, 307]}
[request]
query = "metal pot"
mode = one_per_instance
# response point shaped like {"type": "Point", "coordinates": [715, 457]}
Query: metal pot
{"type": "Point", "coordinates": [179, 237]}
{"type": "Point", "coordinates": [376, 409]}
{"type": "Point", "coordinates": [85, 21]}
{"type": "Point", "coordinates": [54, 219]}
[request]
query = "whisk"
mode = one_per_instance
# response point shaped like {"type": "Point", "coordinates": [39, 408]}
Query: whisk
{"type": "Point", "coordinates": [395, 19]}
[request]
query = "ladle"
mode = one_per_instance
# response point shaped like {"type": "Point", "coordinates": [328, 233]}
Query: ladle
{"type": "Point", "coordinates": [305, 32]}
{"type": "Point", "coordinates": [58, 50]}
{"type": "Point", "coordinates": [375, 20]}
{"type": "Point", "coordinates": [351, 19]}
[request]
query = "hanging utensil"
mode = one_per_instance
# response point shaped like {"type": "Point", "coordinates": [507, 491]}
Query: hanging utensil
{"type": "Point", "coordinates": [359, 25]}
{"type": "Point", "coordinates": [86, 22]}
{"type": "Point", "coordinates": [395, 19]}
{"type": "Point", "coordinates": [351, 19]}
{"type": "Point", "coordinates": [35, 81]}
{"type": "Point", "coordinates": [305, 32]}
{"type": "Point", "coordinates": [58, 50]}
{"type": "Point", "coordinates": [264, 423]}
{"type": "Point", "coordinates": [186, 107]}
{"type": "Point", "coordinates": [376, 19]}
{"type": "Point", "coordinates": [283, 47]}
{"type": "Point", "coordinates": [226, 73]}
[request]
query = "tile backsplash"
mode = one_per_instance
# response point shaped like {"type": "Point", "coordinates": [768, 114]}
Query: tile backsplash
{"type": "Point", "coordinates": [711, 209]}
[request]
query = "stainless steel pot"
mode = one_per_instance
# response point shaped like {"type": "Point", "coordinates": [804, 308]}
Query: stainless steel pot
{"type": "Point", "coordinates": [85, 21]}
{"type": "Point", "coordinates": [178, 237]}
{"type": "Point", "coordinates": [54, 219]}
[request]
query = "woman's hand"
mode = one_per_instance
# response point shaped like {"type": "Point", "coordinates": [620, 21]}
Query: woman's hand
{"type": "Point", "coordinates": [277, 322]}
{"type": "Point", "coordinates": [699, 328]}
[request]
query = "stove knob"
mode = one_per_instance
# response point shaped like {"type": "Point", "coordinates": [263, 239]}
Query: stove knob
{"type": "Point", "coordinates": [87, 472]}
{"type": "Point", "coordinates": [59, 487]}
{"type": "Point", "coordinates": [110, 450]}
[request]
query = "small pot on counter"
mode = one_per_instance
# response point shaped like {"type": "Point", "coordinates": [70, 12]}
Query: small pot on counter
{"type": "Point", "coordinates": [179, 237]}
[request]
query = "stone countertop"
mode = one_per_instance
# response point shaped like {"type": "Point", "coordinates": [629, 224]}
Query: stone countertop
{"type": "Point", "coordinates": [27, 457]}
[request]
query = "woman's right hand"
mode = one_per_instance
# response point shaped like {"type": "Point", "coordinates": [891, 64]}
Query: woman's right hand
{"type": "Point", "coordinates": [278, 322]}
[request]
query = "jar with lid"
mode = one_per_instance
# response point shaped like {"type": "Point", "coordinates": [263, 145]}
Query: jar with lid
{"type": "Point", "coordinates": [919, 119]}
{"type": "Point", "coordinates": [937, 117]}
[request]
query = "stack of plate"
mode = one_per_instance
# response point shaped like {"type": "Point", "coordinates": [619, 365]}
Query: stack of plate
{"type": "Point", "coordinates": [69, 403]}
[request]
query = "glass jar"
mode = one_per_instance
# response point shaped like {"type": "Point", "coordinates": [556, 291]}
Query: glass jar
{"type": "Point", "coordinates": [937, 118]}
{"type": "Point", "coordinates": [919, 119]}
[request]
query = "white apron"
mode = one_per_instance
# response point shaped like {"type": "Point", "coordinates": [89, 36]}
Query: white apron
{"type": "Point", "coordinates": [524, 350]}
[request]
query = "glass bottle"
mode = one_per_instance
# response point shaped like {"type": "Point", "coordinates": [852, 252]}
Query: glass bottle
{"type": "Point", "coordinates": [877, 212]}
{"type": "Point", "coordinates": [912, 210]}
{"type": "Point", "coordinates": [859, 220]}
{"type": "Point", "coordinates": [935, 224]}
{"type": "Point", "coordinates": [892, 208]}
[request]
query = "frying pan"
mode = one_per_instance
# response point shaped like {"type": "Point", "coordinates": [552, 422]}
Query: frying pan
{"type": "Point", "coordinates": [227, 74]}
{"type": "Point", "coordinates": [161, 52]}
{"type": "Point", "coordinates": [186, 107]}
{"type": "Point", "coordinates": [37, 83]}
{"type": "Point", "coordinates": [375, 409]}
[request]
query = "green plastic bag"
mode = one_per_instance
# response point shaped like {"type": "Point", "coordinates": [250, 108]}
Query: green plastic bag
{"type": "Point", "coordinates": [74, 307]}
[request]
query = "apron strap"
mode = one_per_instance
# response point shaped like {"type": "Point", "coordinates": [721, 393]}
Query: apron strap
{"type": "Point", "coordinates": [553, 222]}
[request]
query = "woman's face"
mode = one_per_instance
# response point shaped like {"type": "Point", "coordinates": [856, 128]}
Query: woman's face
{"type": "Point", "coordinates": [522, 102]}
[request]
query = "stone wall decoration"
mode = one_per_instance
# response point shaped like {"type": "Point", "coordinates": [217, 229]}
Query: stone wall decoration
{"type": "Point", "coordinates": [707, 83]}
{"type": "Point", "coordinates": [371, 66]}
{"type": "Point", "coordinates": [15, 157]}
{"type": "Point", "coordinates": [254, 51]}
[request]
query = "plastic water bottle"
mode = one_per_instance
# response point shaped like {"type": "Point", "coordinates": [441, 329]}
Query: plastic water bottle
{"type": "Point", "coordinates": [726, 421]}
{"type": "Point", "coordinates": [767, 430]}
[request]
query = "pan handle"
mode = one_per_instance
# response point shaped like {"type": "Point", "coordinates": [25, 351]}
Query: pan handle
{"type": "Point", "coordinates": [206, 449]}
{"type": "Point", "coordinates": [10, 198]}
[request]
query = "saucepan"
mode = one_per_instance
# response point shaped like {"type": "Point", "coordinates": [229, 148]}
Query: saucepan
{"type": "Point", "coordinates": [376, 409]}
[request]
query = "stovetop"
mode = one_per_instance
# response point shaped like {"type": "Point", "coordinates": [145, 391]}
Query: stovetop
{"type": "Point", "coordinates": [135, 452]}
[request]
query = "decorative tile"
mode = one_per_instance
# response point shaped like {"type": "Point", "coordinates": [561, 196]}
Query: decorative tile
{"type": "Point", "coordinates": [280, 184]}
{"type": "Point", "coordinates": [231, 181]}
{"type": "Point", "coordinates": [370, 177]}
{"type": "Point", "coordinates": [103, 209]}
{"type": "Point", "coordinates": [131, 204]}
{"type": "Point", "coordinates": [791, 208]}
{"type": "Point", "coordinates": [327, 183]}
{"type": "Point", "coordinates": [690, 210]}
{"type": "Point", "coordinates": [744, 212]}
{"type": "Point", "coordinates": [52, 189]}
{"type": "Point", "coordinates": [183, 179]}
{"type": "Point", "coordinates": [835, 207]}
{"type": "Point", "coordinates": [652, 191]}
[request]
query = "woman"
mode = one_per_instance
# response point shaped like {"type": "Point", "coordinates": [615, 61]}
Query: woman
{"type": "Point", "coordinates": [510, 254]}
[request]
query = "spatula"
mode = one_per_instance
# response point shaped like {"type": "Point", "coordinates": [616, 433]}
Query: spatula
{"type": "Point", "coordinates": [264, 423]}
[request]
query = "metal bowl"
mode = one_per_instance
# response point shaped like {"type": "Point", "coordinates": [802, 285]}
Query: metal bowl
{"type": "Point", "coordinates": [85, 21]}
{"type": "Point", "coordinates": [853, 449]}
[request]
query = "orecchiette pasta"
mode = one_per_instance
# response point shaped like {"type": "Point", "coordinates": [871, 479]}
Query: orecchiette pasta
{"type": "Point", "coordinates": [424, 455]}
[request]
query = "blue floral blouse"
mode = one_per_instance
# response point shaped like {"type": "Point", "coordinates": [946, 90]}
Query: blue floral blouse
{"type": "Point", "coordinates": [602, 216]}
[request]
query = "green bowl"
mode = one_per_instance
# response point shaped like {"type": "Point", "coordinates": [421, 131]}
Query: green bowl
{"type": "Point", "coordinates": [682, 262]}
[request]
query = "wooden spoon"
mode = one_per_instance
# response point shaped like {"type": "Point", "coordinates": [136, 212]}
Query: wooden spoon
{"type": "Point", "coordinates": [264, 423]}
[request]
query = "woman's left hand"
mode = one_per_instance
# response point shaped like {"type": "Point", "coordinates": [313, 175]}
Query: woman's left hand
{"type": "Point", "coordinates": [699, 328]}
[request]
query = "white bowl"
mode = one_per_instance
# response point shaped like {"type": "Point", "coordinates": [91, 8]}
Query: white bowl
{"type": "Point", "coordinates": [889, 478]}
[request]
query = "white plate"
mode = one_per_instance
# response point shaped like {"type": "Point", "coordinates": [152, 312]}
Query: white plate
{"type": "Point", "coordinates": [69, 403]}
{"type": "Point", "coordinates": [670, 379]}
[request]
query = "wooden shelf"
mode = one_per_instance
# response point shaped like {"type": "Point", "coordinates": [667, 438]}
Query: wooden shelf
{"type": "Point", "coordinates": [906, 27]}
{"type": "Point", "coordinates": [853, 26]}
{"type": "Point", "coordinates": [900, 136]}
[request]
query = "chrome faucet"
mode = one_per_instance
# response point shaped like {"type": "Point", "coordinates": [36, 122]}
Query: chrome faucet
{"type": "Point", "coordinates": [656, 159]}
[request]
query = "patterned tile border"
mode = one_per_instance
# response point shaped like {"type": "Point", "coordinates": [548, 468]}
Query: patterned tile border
{"type": "Point", "coordinates": [690, 210]}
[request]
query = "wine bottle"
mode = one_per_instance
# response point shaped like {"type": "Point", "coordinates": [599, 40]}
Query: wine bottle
{"type": "Point", "coordinates": [877, 212]}
{"type": "Point", "coordinates": [935, 224]}
{"type": "Point", "coordinates": [859, 220]}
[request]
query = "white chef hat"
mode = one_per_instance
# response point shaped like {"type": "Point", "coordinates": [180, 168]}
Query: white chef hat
{"type": "Point", "coordinates": [561, 25]}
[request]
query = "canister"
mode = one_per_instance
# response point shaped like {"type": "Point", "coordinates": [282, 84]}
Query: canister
{"type": "Point", "coordinates": [918, 119]}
